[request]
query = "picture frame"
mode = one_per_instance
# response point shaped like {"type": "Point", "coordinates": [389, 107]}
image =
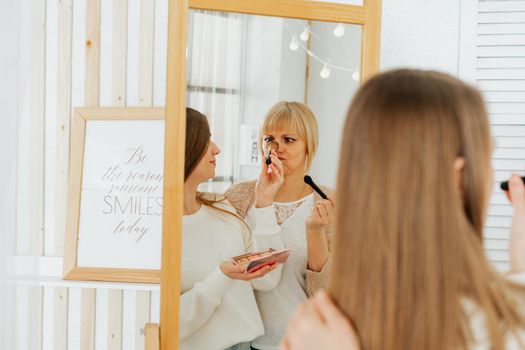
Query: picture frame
{"type": "Point", "coordinates": [115, 195]}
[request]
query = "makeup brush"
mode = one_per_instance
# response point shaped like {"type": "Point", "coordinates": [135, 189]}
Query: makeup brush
{"type": "Point", "coordinates": [308, 180]}
{"type": "Point", "coordinates": [505, 184]}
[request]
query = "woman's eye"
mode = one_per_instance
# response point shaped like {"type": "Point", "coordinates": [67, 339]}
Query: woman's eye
{"type": "Point", "coordinates": [289, 140]}
{"type": "Point", "coordinates": [268, 139]}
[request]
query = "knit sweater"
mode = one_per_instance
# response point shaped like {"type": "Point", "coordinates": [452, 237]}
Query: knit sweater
{"type": "Point", "coordinates": [217, 311]}
{"type": "Point", "coordinates": [242, 198]}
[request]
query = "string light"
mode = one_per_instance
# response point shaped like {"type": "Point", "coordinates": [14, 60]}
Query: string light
{"type": "Point", "coordinates": [293, 44]}
{"type": "Point", "coordinates": [325, 72]}
{"type": "Point", "coordinates": [305, 34]}
{"type": "Point", "coordinates": [339, 31]}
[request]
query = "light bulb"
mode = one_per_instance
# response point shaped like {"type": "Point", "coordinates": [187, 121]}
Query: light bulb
{"type": "Point", "coordinates": [355, 75]}
{"type": "Point", "coordinates": [339, 31]}
{"type": "Point", "coordinates": [305, 34]}
{"type": "Point", "coordinates": [325, 72]}
{"type": "Point", "coordinates": [293, 44]}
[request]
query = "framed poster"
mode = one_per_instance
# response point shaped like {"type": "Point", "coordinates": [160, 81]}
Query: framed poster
{"type": "Point", "coordinates": [115, 198]}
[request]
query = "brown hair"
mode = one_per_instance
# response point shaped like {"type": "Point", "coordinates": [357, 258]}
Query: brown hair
{"type": "Point", "coordinates": [294, 116]}
{"type": "Point", "coordinates": [408, 252]}
{"type": "Point", "coordinates": [197, 142]}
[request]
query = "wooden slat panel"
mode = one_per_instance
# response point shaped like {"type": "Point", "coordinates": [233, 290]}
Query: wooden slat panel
{"type": "Point", "coordinates": [145, 87]}
{"type": "Point", "coordinates": [506, 164]}
{"type": "Point", "coordinates": [87, 319]}
{"type": "Point", "coordinates": [507, 96]}
{"type": "Point", "coordinates": [500, 210]}
{"type": "Point", "coordinates": [499, 130]}
{"type": "Point", "coordinates": [501, 6]}
{"type": "Point", "coordinates": [496, 244]}
{"type": "Point", "coordinates": [92, 52]}
{"type": "Point", "coordinates": [507, 108]}
{"type": "Point", "coordinates": [152, 337]}
{"type": "Point", "coordinates": [498, 221]}
{"type": "Point", "coordinates": [506, 119]}
{"type": "Point", "coordinates": [63, 118]}
{"type": "Point", "coordinates": [142, 316]}
{"type": "Point", "coordinates": [501, 85]}
{"type": "Point", "coordinates": [502, 74]}
{"type": "Point", "coordinates": [501, 62]}
{"type": "Point", "coordinates": [500, 40]}
{"type": "Point", "coordinates": [498, 255]}
{"type": "Point", "coordinates": [496, 233]}
{"type": "Point", "coordinates": [507, 28]}
{"type": "Point", "coordinates": [60, 319]}
{"type": "Point", "coordinates": [120, 45]}
{"type": "Point", "coordinates": [87, 333]}
{"type": "Point", "coordinates": [506, 141]}
{"type": "Point", "coordinates": [160, 47]}
{"type": "Point", "coordinates": [501, 51]}
{"type": "Point", "coordinates": [502, 17]}
{"type": "Point", "coordinates": [114, 333]}
{"type": "Point", "coordinates": [510, 153]}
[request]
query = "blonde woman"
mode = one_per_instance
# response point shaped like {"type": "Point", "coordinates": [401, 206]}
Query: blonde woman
{"type": "Point", "coordinates": [218, 307]}
{"type": "Point", "coordinates": [280, 199]}
{"type": "Point", "coordinates": [409, 266]}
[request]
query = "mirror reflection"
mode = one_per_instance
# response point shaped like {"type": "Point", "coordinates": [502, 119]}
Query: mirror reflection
{"type": "Point", "coordinates": [266, 102]}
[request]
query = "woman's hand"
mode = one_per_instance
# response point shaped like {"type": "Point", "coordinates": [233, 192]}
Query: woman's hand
{"type": "Point", "coordinates": [322, 215]}
{"type": "Point", "coordinates": [319, 324]}
{"type": "Point", "coordinates": [238, 272]}
{"type": "Point", "coordinates": [269, 182]}
{"type": "Point", "coordinates": [516, 195]}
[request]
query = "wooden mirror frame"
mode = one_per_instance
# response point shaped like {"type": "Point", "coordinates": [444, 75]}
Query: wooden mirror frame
{"type": "Point", "coordinates": [368, 16]}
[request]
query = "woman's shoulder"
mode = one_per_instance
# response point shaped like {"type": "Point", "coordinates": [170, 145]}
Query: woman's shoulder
{"type": "Point", "coordinates": [241, 196]}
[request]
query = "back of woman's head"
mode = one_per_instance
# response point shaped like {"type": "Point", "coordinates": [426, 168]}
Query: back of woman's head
{"type": "Point", "coordinates": [408, 249]}
{"type": "Point", "coordinates": [197, 140]}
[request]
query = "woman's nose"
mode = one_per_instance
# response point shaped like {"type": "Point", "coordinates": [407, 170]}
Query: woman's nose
{"type": "Point", "coordinates": [216, 149]}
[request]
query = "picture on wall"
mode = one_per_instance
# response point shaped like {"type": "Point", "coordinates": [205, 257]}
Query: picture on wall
{"type": "Point", "coordinates": [114, 221]}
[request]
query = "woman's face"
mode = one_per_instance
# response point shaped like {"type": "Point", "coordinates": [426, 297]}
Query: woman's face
{"type": "Point", "coordinates": [205, 170]}
{"type": "Point", "coordinates": [292, 149]}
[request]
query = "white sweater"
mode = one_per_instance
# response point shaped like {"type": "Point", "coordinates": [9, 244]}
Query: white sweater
{"type": "Point", "coordinates": [216, 311]}
{"type": "Point", "coordinates": [278, 305]}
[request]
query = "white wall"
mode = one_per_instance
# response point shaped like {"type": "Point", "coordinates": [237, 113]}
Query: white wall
{"type": "Point", "coordinates": [420, 34]}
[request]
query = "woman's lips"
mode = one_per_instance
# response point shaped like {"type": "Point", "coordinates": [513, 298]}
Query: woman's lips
{"type": "Point", "coordinates": [213, 162]}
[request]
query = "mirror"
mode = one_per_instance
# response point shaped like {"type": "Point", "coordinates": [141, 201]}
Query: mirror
{"type": "Point", "coordinates": [238, 67]}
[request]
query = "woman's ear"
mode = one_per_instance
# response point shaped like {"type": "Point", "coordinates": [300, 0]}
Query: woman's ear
{"type": "Point", "coordinates": [459, 166]}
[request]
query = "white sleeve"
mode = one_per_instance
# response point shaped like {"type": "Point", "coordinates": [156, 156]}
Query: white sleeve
{"type": "Point", "coordinates": [198, 304]}
{"type": "Point", "coordinates": [266, 233]}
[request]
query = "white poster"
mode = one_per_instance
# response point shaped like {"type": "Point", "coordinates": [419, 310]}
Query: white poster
{"type": "Point", "coordinates": [121, 198]}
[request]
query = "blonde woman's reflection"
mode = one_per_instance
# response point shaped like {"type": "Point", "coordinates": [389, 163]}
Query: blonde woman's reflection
{"type": "Point", "coordinates": [218, 307]}
{"type": "Point", "coordinates": [294, 212]}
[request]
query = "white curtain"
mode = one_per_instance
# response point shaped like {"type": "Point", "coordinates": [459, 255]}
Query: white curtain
{"type": "Point", "coordinates": [214, 83]}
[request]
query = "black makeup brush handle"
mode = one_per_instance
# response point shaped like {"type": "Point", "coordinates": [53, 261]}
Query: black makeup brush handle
{"type": "Point", "coordinates": [309, 181]}
{"type": "Point", "coordinates": [505, 184]}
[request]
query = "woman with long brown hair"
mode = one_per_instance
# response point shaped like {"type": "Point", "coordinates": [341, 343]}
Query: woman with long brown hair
{"type": "Point", "coordinates": [218, 307]}
{"type": "Point", "coordinates": [409, 268]}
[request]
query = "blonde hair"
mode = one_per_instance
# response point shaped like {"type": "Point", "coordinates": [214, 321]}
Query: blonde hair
{"type": "Point", "coordinates": [408, 251]}
{"type": "Point", "coordinates": [293, 116]}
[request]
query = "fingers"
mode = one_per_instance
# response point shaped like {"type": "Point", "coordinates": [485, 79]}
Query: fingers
{"type": "Point", "coordinates": [517, 192]}
{"type": "Point", "coordinates": [259, 273]}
